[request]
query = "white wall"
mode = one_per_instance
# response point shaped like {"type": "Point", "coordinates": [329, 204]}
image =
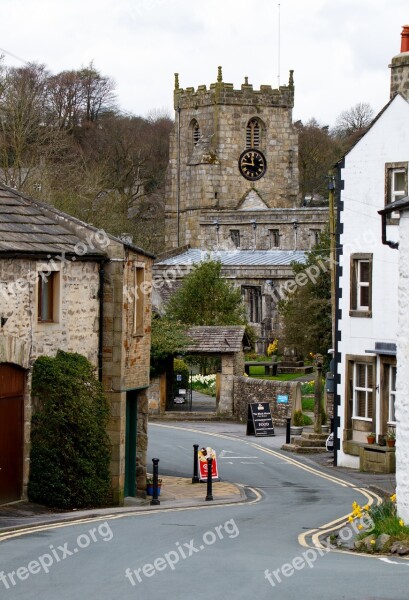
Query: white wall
{"type": "Point", "coordinates": [363, 195]}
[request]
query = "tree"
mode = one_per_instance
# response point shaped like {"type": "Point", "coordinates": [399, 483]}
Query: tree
{"type": "Point", "coordinates": [318, 152]}
{"type": "Point", "coordinates": [206, 299]}
{"type": "Point", "coordinates": [70, 449]}
{"type": "Point", "coordinates": [306, 313]}
{"type": "Point", "coordinates": [167, 339]}
{"type": "Point", "coordinates": [354, 120]}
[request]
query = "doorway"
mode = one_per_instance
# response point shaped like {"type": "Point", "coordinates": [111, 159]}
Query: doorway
{"type": "Point", "coordinates": [11, 432]}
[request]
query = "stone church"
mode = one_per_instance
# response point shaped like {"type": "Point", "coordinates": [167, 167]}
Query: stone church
{"type": "Point", "coordinates": [232, 192]}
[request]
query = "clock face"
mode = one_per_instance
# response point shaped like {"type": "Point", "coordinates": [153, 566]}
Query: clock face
{"type": "Point", "coordinates": [252, 164]}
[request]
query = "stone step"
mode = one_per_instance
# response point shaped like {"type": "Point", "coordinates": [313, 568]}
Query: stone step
{"type": "Point", "coordinates": [315, 436]}
{"type": "Point", "coordinates": [302, 449]}
{"type": "Point", "coordinates": [308, 443]}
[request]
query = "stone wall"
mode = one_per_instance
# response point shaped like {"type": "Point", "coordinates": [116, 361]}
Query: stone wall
{"type": "Point", "coordinates": [248, 390]}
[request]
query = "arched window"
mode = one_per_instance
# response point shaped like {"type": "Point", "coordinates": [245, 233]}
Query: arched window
{"type": "Point", "coordinates": [253, 134]}
{"type": "Point", "coordinates": [195, 132]}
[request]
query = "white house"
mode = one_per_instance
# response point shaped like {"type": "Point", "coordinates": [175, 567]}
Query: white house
{"type": "Point", "coordinates": [373, 174]}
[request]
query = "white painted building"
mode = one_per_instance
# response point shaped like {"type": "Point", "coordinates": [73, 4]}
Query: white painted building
{"type": "Point", "coordinates": [373, 174]}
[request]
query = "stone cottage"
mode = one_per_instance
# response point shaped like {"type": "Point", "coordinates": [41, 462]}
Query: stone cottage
{"type": "Point", "coordinates": [65, 285]}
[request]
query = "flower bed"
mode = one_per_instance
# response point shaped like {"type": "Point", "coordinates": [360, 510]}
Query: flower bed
{"type": "Point", "coordinates": [206, 384]}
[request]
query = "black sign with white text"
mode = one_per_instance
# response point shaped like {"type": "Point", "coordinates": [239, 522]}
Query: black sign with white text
{"type": "Point", "coordinates": [259, 419]}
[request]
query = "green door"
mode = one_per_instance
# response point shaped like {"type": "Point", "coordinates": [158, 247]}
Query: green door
{"type": "Point", "coordinates": [130, 443]}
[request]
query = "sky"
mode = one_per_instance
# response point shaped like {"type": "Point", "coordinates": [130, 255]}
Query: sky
{"type": "Point", "coordinates": [339, 49]}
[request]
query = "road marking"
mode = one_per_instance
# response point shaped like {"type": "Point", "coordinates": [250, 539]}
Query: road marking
{"type": "Point", "coordinates": [136, 513]}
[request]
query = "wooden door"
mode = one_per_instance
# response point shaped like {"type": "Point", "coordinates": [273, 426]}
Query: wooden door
{"type": "Point", "coordinates": [11, 432]}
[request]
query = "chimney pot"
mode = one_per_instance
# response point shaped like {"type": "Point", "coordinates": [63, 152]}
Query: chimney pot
{"type": "Point", "coordinates": [404, 46]}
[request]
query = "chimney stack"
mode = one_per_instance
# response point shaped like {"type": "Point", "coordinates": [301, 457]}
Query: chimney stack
{"type": "Point", "coordinates": [400, 67]}
{"type": "Point", "coordinates": [404, 45]}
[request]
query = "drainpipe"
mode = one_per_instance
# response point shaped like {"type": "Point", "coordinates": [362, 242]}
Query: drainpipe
{"type": "Point", "coordinates": [178, 179]}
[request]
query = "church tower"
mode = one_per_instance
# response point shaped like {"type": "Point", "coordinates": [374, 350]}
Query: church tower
{"type": "Point", "coordinates": [233, 152]}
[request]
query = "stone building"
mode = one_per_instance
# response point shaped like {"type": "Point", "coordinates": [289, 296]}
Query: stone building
{"type": "Point", "coordinates": [65, 285]}
{"type": "Point", "coordinates": [232, 187]}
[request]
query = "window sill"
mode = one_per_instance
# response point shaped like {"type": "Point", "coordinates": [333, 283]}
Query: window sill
{"type": "Point", "coordinates": [363, 314]}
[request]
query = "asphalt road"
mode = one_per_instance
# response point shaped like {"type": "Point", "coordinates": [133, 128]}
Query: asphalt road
{"type": "Point", "coordinates": [217, 552]}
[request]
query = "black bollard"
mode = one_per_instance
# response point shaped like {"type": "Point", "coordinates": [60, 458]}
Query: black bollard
{"type": "Point", "coordinates": [332, 424]}
{"type": "Point", "coordinates": [209, 495]}
{"type": "Point", "coordinates": [195, 478]}
{"type": "Point", "coordinates": [155, 500]}
{"type": "Point", "coordinates": [287, 431]}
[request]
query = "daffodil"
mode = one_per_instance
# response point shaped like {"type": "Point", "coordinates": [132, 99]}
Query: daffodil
{"type": "Point", "coordinates": [366, 507]}
{"type": "Point", "coordinates": [350, 519]}
{"type": "Point", "coordinates": [401, 523]}
{"type": "Point", "coordinates": [360, 526]}
{"type": "Point", "coordinates": [393, 498]}
{"type": "Point", "coordinates": [373, 542]}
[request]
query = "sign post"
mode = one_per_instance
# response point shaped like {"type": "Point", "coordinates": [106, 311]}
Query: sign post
{"type": "Point", "coordinates": [259, 419]}
{"type": "Point", "coordinates": [203, 455]}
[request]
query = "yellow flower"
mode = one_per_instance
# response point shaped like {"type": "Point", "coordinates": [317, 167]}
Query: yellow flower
{"type": "Point", "coordinates": [354, 504]}
{"type": "Point", "coordinates": [401, 523]}
{"type": "Point", "coordinates": [366, 507]}
{"type": "Point", "coordinates": [393, 498]}
{"type": "Point", "coordinates": [360, 526]}
{"type": "Point", "coordinates": [373, 542]}
{"type": "Point", "coordinates": [350, 519]}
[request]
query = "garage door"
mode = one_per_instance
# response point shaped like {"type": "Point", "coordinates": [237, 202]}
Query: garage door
{"type": "Point", "coordinates": [11, 432]}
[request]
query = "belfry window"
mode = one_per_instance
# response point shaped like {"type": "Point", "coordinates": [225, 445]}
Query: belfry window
{"type": "Point", "coordinates": [196, 133]}
{"type": "Point", "coordinates": [253, 134]}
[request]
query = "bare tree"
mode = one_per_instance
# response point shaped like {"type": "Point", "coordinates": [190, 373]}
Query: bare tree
{"type": "Point", "coordinates": [354, 120]}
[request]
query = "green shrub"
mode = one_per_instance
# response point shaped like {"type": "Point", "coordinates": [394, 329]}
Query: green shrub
{"type": "Point", "coordinates": [306, 420]}
{"type": "Point", "coordinates": [298, 420]}
{"type": "Point", "coordinates": [70, 449]}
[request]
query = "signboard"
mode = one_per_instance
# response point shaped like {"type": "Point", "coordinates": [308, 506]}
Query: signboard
{"type": "Point", "coordinates": [203, 455]}
{"type": "Point", "coordinates": [282, 399]}
{"type": "Point", "coordinates": [182, 392]}
{"type": "Point", "coordinates": [259, 419]}
{"type": "Point", "coordinates": [178, 377]}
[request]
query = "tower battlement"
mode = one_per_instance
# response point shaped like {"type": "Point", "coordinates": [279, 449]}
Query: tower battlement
{"type": "Point", "coordinates": [224, 93]}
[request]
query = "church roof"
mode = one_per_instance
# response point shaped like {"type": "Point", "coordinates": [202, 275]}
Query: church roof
{"type": "Point", "coordinates": [237, 258]}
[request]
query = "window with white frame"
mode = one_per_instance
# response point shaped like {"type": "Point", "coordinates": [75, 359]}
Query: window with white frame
{"type": "Point", "coordinates": [392, 394]}
{"type": "Point", "coordinates": [396, 185]}
{"type": "Point", "coordinates": [363, 390]}
{"type": "Point", "coordinates": [361, 285]}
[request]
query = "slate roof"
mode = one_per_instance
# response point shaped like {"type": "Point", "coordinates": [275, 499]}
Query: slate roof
{"type": "Point", "coordinates": [30, 227]}
{"type": "Point", "coordinates": [216, 339]}
{"type": "Point", "coordinates": [237, 258]}
{"type": "Point", "coordinates": [26, 228]}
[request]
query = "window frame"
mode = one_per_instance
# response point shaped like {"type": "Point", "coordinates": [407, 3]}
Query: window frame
{"type": "Point", "coordinates": [365, 389]}
{"type": "Point", "coordinates": [252, 298]}
{"type": "Point", "coordinates": [235, 237]}
{"type": "Point", "coordinates": [49, 282]}
{"type": "Point", "coordinates": [356, 309]}
{"type": "Point", "coordinates": [391, 394]}
{"type": "Point", "coordinates": [390, 194]}
{"type": "Point", "coordinates": [274, 235]}
{"type": "Point", "coordinates": [138, 308]}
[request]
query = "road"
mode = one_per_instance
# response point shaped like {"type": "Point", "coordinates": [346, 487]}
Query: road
{"type": "Point", "coordinates": [261, 548]}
